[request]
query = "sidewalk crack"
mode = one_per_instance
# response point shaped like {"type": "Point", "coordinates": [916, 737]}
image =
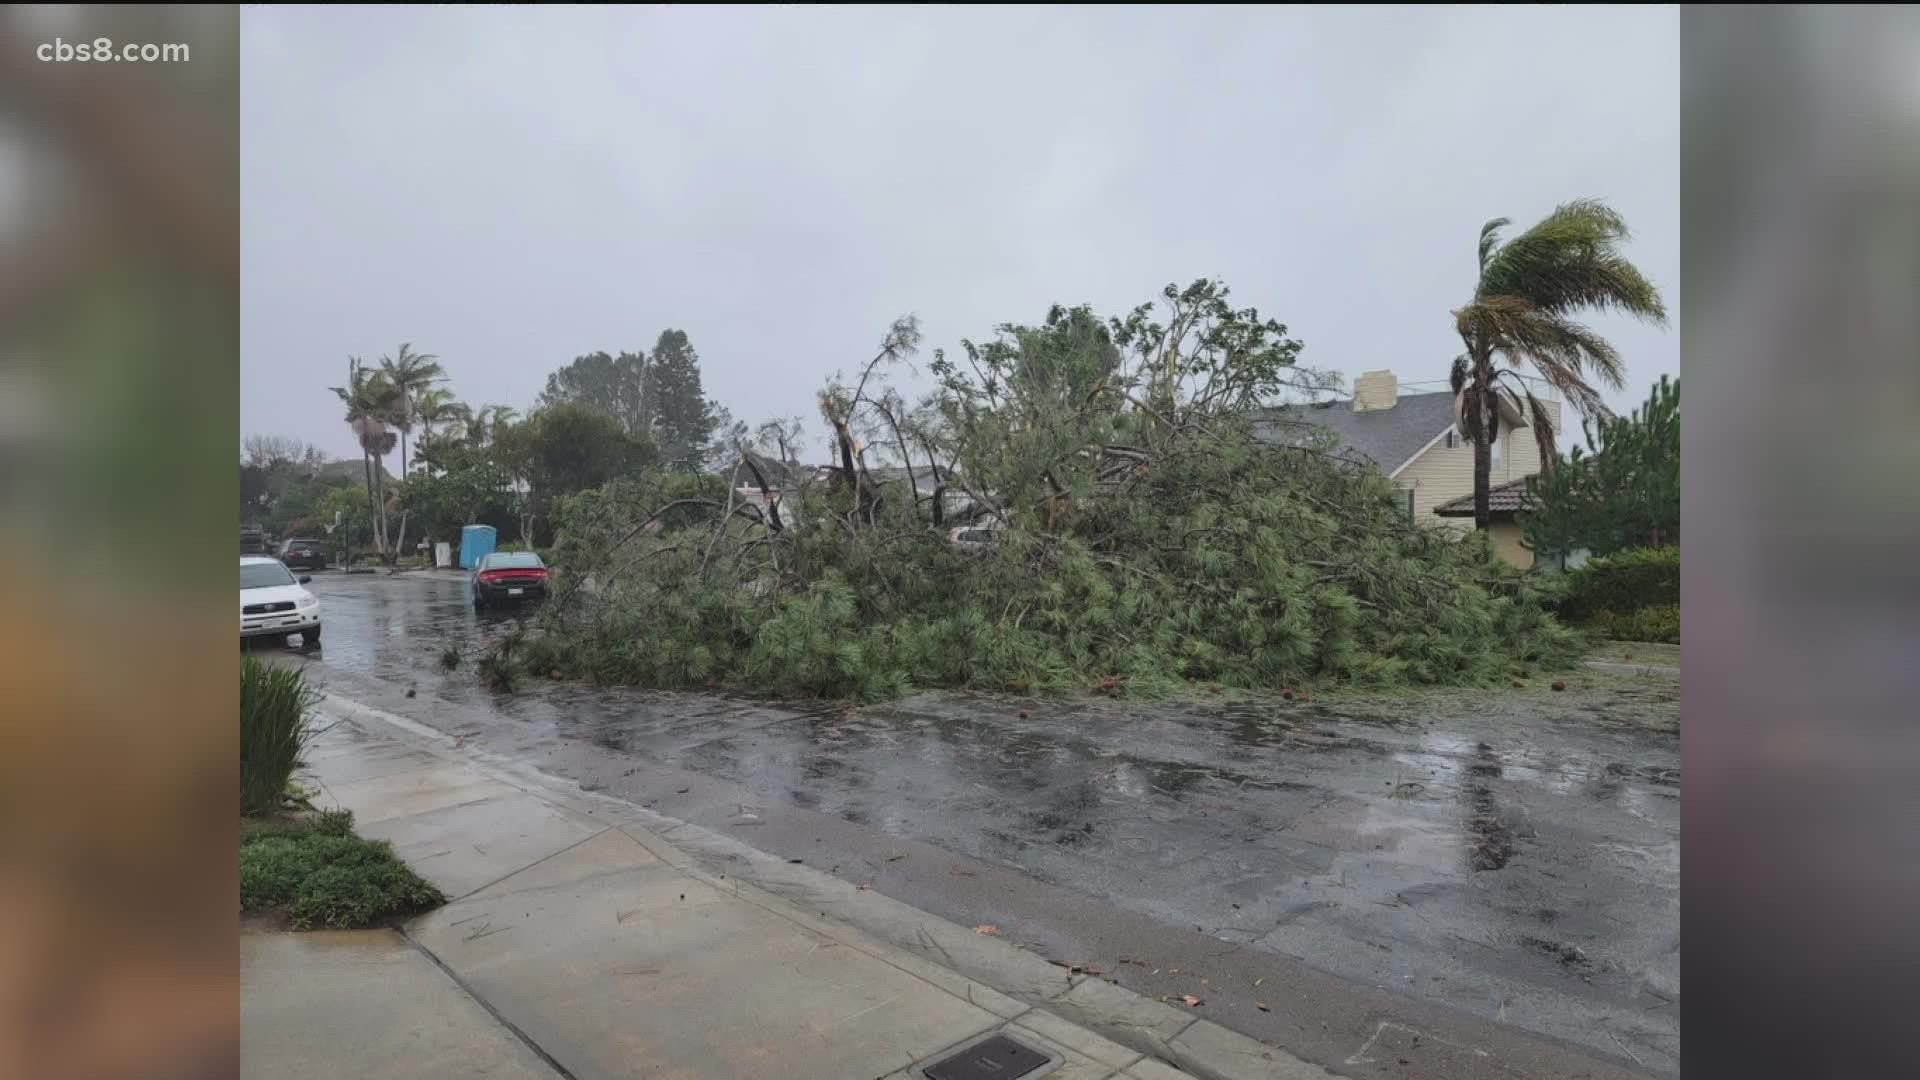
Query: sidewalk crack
{"type": "Point", "coordinates": [529, 866]}
{"type": "Point", "coordinates": [525, 1040]}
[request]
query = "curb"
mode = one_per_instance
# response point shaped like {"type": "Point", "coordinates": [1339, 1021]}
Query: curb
{"type": "Point", "coordinates": [1089, 1015]}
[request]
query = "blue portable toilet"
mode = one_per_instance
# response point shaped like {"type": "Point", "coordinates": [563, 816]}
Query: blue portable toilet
{"type": "Point", "coordinates": [476, 543]}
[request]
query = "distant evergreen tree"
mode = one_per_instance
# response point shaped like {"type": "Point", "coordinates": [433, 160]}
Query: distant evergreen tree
{"type": "Point", "coordinates": [683, 418]}
{"type": "Point", "coordinates": [616, 385]}
{"type": "Point", "coordinates": [658, 396]}
{"type": "Point", "coordinates": [1623, 494]}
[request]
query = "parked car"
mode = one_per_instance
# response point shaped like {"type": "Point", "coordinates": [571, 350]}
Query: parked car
{"type": "Point", "coordinates": [273, 603]}
{"type": "Point", "coordinates": [305, 554]}
{"type": "Point", "coordinates": [973, 537]}
{"type": "Point", "coordinates": [253, 540]}
{"type": "Point", "coordinates": [504, 577]}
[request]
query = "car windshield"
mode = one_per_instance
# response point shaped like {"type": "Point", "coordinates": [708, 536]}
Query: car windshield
{"type": "Point", "coordinates": [513, 560]}
{"type": "Point", "coordinates": [263, 575]}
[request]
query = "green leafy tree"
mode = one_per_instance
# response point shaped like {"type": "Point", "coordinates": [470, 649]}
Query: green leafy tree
{"type": "Point", "coordinates": [1146, 539]}
{"type": "Point", "coordinates": [658, 396]}
{"type": "Point", "coordinates": [616, 385]}
{"type": "Point", "coordinates": [570, 448]}
{"type": "Point", "coordinates": [1195, 356]}
{"type": "Point", "coordinates": [1522, 314]}
{"type": "Point", "coordinates": [1624, 492]}
{"type": "Point", "coordinates": [561, 450]}
{"type": "Point", "coordinates": [459, 485]}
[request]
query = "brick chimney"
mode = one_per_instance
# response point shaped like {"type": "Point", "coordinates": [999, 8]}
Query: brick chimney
{"type": "Point", "coordinates": [1375, 390]}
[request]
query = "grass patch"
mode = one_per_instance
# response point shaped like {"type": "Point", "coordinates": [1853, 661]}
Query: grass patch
{"type": "Point", "coordinates": [276, 706]}
{"type": "Point", "coordinates": [317, 873]}
{"type": "Point", "coordinates": [450, 657]}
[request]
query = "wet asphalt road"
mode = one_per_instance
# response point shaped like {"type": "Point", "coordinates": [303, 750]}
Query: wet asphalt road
{"type": "Point", "coordinates": [1360, 868]}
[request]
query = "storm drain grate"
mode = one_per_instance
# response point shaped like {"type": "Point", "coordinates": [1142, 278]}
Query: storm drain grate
{"type": "Point", "coordinates": [998, 1058]}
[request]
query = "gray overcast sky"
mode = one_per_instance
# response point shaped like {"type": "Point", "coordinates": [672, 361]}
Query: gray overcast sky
{"type": "Point", "coordinates": [511, 187]}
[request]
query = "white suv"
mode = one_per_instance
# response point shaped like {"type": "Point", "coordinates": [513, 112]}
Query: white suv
{"type": "Point", "coordinates": [273, 604]}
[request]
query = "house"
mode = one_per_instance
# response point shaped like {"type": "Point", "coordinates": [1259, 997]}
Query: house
{"type": "Point", "coordinates": [352, 470]}
{"type": "Point", "coordinates": [955, 505]}
{"type": "Point", "coordinates": [784, 480]}
{"type": "Point", "coordinates": [787, 480]}
{"type": "Point", "coordinates": [1505, 502]}
{"type": "Point", "coordinates": [1415, 440]}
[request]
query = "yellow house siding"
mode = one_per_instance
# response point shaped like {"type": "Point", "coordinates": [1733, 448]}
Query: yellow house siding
{"type": "Point", "coordinates": [1441, 474]}
{"type": "Point", "coordinates": [1506, 542]}
{"type": "Point", "coordinates": [1436, 476]}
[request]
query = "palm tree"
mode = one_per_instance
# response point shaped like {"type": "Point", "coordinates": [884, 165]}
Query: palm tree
{"type": "Point", "coordinates": [488, 421]}
{"type": "Point", "coordinates": [436, 407]}
{"type": "Point", "coordinates": [369, 398]}
{"type": "Point", "coordinates": [411, 373]}
{"type": "Point", "coordinates": [1521, 312]}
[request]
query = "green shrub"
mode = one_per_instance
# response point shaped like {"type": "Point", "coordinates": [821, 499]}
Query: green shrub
{"type": "Point", "coordinates": [1658, 623]}
{"type": "Point", "coordinates": [499, 667]}
{"type": "Point", "coordinates": [320, 874]}
{"type": "Point", "coordinates": [275, 707]}
{"type": "Point", "coordinates": [1628, 581]}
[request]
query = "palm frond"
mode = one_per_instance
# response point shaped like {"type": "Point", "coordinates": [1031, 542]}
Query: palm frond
{"type": "Point", "coordinates": [1571, 261]}
{"type": "Point", "coordinates": [1564, 352]}
{"type": "Point", "coordinates": [1490, 238]}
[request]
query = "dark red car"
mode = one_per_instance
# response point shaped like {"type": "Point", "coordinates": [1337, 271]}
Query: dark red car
{"type": "Point", "coordinates": [507, 577]}
{"type": "Point", "coordinates": [304, 554]}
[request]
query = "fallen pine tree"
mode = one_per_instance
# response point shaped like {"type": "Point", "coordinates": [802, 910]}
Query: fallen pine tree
{"type": "Point", "coordinates": [1145, 538]}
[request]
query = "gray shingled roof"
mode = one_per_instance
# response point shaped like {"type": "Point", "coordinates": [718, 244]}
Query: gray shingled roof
{"type": "Point", "coordinates": [1387, 437]}
{"type": "Point", "coordinates": [779, 474]}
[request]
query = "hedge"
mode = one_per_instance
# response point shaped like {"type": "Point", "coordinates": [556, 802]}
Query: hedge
{"type": "Point", "coordinates": [1623, 583]}
{"type": "Point", "coordinates": [1660, 623]}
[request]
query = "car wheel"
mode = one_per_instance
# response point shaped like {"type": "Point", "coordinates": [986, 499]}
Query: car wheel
{"type": "Point", "coordinates": [311, 635]}
{"type": "Point", "coordinates": [283, 640]}
{"type": "Point", "coordinates": [479, 601]}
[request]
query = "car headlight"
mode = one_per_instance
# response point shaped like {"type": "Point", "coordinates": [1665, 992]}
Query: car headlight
{"type": "Point", "coordinates": [309, 600]}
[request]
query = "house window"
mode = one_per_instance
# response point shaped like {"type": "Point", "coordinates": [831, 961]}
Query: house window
{"type": "Point", "coordinates": [1453, 438]}
{"type": "Point", "coordinates": [1499, 442]}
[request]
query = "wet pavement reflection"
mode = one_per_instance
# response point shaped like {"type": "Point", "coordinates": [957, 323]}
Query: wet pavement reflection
{"type": "Point", "coordinates": [1519, 859]}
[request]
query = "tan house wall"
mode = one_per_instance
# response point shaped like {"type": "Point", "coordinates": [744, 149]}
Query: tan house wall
{"type": "Point", "coordinates": [1440, 474]}
{"type": "Point", "coordinates": [1506, 542]}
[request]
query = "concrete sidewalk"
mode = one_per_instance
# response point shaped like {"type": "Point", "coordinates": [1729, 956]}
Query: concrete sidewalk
{"type": "Point", "coordinates": [587, 937]}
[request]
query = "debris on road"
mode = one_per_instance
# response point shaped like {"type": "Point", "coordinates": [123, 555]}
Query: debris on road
{"type": "Point", "coordinates": [988, 929]}
{"type": "Point", "coordinates": [1190, 1001]}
